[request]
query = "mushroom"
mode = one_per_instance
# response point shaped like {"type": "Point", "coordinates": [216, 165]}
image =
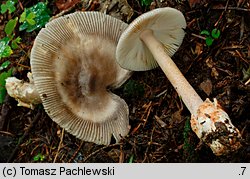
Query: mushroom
{"type": "Point", "coordinates": [74, 69]}
{"type": "Point", "coordinates": [150, 40]}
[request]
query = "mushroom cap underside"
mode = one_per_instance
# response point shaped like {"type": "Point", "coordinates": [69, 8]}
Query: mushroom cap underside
{"type": "Point", "coordinates": [74, 67]}
{"type": "Point", "coordinates": [168, 26]}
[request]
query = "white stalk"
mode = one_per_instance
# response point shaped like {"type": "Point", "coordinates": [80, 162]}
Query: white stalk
{"type": "Point", "coordinates": [208, 120]}
{"type": "Point", "coordinates": [187, 93]}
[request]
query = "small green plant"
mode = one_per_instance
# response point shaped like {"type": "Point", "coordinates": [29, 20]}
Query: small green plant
{"type": "Point", "coordinates": [3, 77]}
{"type": "Point", "coordinates": [8, 6]}
{"type": "Point", "coordinates": [10, 26]}
{"type": "Point", "coordinates": [4, 65]}
{"type": "Point", "coordinates": [31, 19]}
{"type": "Point", "coordinates": [146, 3]}
{"type": "Point", "coordinates": [34, 17]}
{"type": "Point", "coordinates": [131, 159]}
{"type": "Point", "coordinates": [246, 73]}
{"type": "Point", "coordinates": [39, 157]}
{"type": "Point", "coordinates": [9, 42]}
{"type": "Point", "coordinates": [5, 49]}
{"type": "Point", "coordinates": [188, 147]}
{"type": "Point", "coordinates": [210, 37]}
{"type": "Point", "coordinates": [133, 89]}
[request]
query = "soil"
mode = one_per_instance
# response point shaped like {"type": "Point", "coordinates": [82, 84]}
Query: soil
{"type": "Point", "coordinates": [160, 130]}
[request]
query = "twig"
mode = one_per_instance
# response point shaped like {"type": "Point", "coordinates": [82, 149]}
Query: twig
{"type": "Point", "coordinates": [59, 146]}
{"type": "Point", "coordinates": [199, 36]}
{"type": "Point", "coordinates": [21, 5]}
{"type": "Point", "coordinates": [121, 157]}
{"type": "Point", "coordinates": [162, 93]}
{"type": "Point", "coordinates": [64, 12]}
{"type": "Point", "coordinates": [76, 152]}
{"type": "Point", "coordinates": [233, 47]}
{"type": "Point", "coordinates": [149, 144]}
{"type": "Point", "coordinates": [24, 135]}
{"type": "Point", "coordinates": [248, 81]}
{"type": "Point", "coordinates": [146, 113]}
{"type": "Point", "coordinates": [162, 124]}
{"type": "Point", "coordinates": [95, 152]}
{"type": "Point", "coordinates": [222, 14]}
{"type": "Point", "coordinates": [88, 6]}
{"type": "Point", "coordinates": [242, 27]}
{"type": "Point", "coordinates": [136, 128]}
{"type": "Point", "coordinates": [240, 3]}
{"type": "Point", "coordinates": [233, 8]}
{"type": "Point", "coordinates": [7, 133]}
{"type": "Point", "coordinates": [24, 66]}
{"type": "Point", "coordinates": [239, 54]}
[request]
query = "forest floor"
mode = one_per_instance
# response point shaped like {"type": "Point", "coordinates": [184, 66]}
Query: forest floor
{"type": "Point", "coordinates": [160, 130]}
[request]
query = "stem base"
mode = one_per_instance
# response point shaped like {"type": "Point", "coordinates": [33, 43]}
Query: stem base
{"type": "Point", "coordinates": [213, 126]}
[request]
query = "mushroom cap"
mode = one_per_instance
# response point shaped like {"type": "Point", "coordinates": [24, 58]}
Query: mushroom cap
{"type": "Point", "coordinates": [74, 68]}
{"type": "Point", "coordinates": [167, 25]}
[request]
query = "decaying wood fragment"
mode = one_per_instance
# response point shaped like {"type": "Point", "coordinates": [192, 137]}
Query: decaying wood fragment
{"type": "Point", "coordinates": [24, 92]}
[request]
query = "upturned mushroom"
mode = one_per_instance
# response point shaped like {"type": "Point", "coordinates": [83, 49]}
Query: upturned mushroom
{"type": "Point", "coordinates": [74, 69]}
{"type": "Point", "coordinates": [150, 40]}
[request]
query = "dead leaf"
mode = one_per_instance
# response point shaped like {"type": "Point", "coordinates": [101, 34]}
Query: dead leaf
{"type": "Point", "coordinates": [211, 64]}
{"type": "Point", "coordinates": [115, 154]}
{"type": "Point", "coordinates": [198, 49]}
{"type": "Point", "coordinates": [65, 4]}
{"type": "Point", "coordinates": [214, 73]}
{"type": "Point", "coordinates": [206, 86]}
{"type": "Point", "coordinates": [161, 122]}
{"type": "Point", "coordinates": [119, 9]}
{"type": "Point", "coordinates": [176, 118]}
{"type": "Point", "coordinates": [192, 3]}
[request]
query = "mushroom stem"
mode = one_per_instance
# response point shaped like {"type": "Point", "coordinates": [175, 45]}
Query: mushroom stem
{"type": "Point", "coordinates": [187, 93]}
{"type": "Point", "coordinates": [24, 92]}
{"type": "Point", "coordinates": [208, 120]}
